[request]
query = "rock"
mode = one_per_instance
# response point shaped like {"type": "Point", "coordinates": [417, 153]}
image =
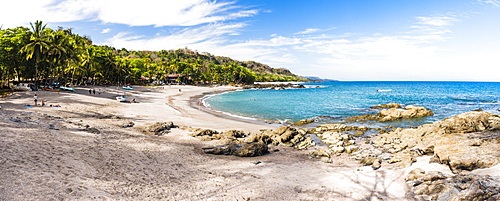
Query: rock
{"type": "Point", "coordinates": [408, 112]}
{"type": "Point", "coordinates": [161, 128]}
{"type": "Point", "coordinates": [351, 149]}
{"type": "Point", "coordinates": [369, 160]}
{"type": "Point", "coordinates": [377, 164]}
{"type": "Point", "coordinates": [467, 141]}
{"type": "Point", "coordinates": [241, 150]}
{"type": "Point", "coordinates": [405, 159]}
{"type": "Point", "coordinates": [326, 160]}
{"type": "Point", "coordinates": [394, 113]}
{"type": "Point", "coordinates": [326, 127]}
{"type": "Point", "coordinates": [204, 132]}
{"type": "Point", "coordinates": [439, 186]}
{"type": "Point", "coordinates": [128, 124]}
{"type": "Point", "coordinates": [284, 135]}
{"type": "Point", "coordinates": [320, 154]}
{"type": "Point", "coordinates": [470, 122]}
{"type": "Point", "coordinates": [234, 134]}
{"type": "Point", "coordinates": [303, 122]}
{"type": "Point", "coordinates": [388, 105]}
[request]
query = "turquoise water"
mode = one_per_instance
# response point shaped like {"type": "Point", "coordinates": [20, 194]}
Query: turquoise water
{"type": "Point", "coordinates": [339, 100]}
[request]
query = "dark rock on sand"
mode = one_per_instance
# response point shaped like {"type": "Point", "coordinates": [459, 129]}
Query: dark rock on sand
{"type": "Point", "coordinates": [161, 128]}
{"type": "Point", "coordinates": [128, 124]}
{"type": "Point", "coordinates": [242, 150]}
{"type": "Point", "coordinates": [284, 135]}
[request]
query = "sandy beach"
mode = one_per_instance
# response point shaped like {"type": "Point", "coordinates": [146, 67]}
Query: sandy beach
{"type": "Point", "coordinates": [82, 151]}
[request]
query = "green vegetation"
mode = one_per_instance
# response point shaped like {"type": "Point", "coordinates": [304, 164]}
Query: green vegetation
{"type": "Point", "coordinates": [44, 55]}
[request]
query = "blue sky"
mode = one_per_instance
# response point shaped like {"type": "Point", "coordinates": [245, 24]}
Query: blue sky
{"type": "Point", "coordinates": [451, 40]}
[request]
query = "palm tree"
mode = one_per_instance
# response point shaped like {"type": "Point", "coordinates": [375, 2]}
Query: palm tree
{"type": "Point", "coordinates": [38, 45]}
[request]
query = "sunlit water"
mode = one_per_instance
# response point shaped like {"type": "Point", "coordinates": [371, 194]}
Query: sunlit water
{"type": "Point", "coordinates": [340, 100]}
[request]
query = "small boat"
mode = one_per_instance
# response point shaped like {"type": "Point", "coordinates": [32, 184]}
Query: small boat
{"type": "Point", "coordinates": [49, 89]}
{"type": "Point", "coordinates": [383, 90]}
{"type": "Point", "coordinates": [121, 98]}
{"type": "Point", "coordinates": [127, 88]}
{"type": "Point", "coordinates": [66, 88]}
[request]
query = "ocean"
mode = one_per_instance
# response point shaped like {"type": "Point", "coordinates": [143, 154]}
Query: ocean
{"type": "Point", "coordinates": [332, 102]}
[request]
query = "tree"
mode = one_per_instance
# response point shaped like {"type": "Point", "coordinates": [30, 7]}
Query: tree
{"type": "Point", "coordinates": [38, 45]}
{"type": "Point", "coordinates": [13, 64]}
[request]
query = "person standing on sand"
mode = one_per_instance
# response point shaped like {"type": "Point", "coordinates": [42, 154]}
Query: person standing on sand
{"type": "Point", "coordinates": [90, 91]}
{"type": "Point", "coordinates": [99, 91]}
{"type": "Point", "coordinates": [36, 99]}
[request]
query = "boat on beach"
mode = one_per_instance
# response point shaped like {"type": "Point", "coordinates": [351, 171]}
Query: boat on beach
{"type": "Point", "coordinates": [66, 88]}
{"type": "Point", "coordinates": [121, 99]}
{"type": "Point", "coordinates": [49, 89]}
{"type": "Point", "coordinates": [127, 87]}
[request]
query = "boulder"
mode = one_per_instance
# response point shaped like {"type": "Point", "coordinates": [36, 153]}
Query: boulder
{"type": "Point", "coordinates": [284, 135]}
{"type": "Point", "coordinates": [408, 112]}
{"type": "Point", "coordinates": [161, 128]}
{"type": "Point", "coordinates": [204, 132]}
{"type": "Point", "coordinates": [234, 134]}
{"type": "Point", "coordinates": [303, 122]}
{"type": "Point", "coordinates": [241, 150]}
{"type": "Point", "coordinates": [394, 113]}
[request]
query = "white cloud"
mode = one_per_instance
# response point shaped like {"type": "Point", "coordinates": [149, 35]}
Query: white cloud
{"type": "Point", "coordinates": [147, 12]}
{"type": "Point", "coordinates": [438, 21]}
{"type": "Point", "coordinates": [308, 31]}
{"type": "Point", "coordinates": [107, 30]}
{"type": "Point", "coordinates": [181, 38]}
{"type": "Point", "coordinates": [491, 2]}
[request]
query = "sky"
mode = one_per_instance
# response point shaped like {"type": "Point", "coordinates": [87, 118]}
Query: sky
{"type": "Point", "coordinates": [347, 40]}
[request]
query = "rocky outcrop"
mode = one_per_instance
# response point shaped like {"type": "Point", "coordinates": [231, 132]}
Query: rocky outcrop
{"type": "Point", "coordinates": [407, 112]}
{"type": "Point", "coordinates": [161, 128]}
{"type": "Point", "coordinates": [303, 122]}
{"type": "Point", "coordinates": [465, 142]}
{"type": "Point", "coordinates": [284, 136]}
{"type": "Point", "coordinates": [242, 150]}
{"type": "Point", "coordinates": [388, 105]}
{"type": "Point", "coordinates": [434, 185]}
{"type": "Point", "coordinates": [393, 113]}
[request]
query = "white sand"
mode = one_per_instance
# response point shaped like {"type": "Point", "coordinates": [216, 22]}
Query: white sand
{"type": "Point", "coordinates": [47, 155]}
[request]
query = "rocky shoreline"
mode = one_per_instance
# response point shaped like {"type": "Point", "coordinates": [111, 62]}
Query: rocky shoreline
{"type": "Point", "coordinates": [94, 148]}
{"type": "Point", "coordinates": [462, 143]}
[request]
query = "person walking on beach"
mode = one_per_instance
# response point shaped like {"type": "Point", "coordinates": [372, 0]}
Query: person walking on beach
{"type": "Point", "coordinates": [93, 90]}
{"type": "Point", "coordinates": [99, 91]}
{"type": "Point", "coordinates": [36, 99]}
{"type": "Point", "coordinates": [90, 91]}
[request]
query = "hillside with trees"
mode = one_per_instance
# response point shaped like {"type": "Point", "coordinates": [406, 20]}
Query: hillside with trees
{"type": "Point", "coordinates": [43, 55]}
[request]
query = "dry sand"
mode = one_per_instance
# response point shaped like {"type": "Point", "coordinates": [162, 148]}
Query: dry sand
{"type": "Point", "coordinates": [51, 153]}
